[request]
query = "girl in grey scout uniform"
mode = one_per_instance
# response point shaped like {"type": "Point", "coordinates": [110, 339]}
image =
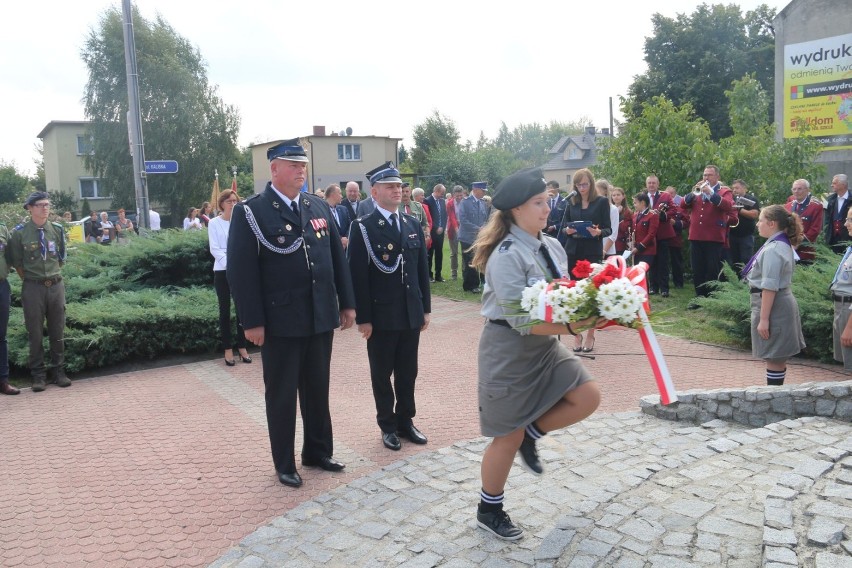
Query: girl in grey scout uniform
{"type": "Point", "coordinates": [776, 328]}
{"type": "Point", "coordinates": [529, 382]}
{"type": "Point", "coordinates": [841, 294]}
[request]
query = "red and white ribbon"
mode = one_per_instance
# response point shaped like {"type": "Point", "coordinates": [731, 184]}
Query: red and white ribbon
{"type": "Point", "coordinates": [637, 276]}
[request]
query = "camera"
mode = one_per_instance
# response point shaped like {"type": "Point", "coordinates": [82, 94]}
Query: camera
{"type": "Point", "coordinates": [742, 201]}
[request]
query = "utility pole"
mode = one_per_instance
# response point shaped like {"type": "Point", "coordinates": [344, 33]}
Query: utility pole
{"type": "Point", "coordinates": [134, 119]}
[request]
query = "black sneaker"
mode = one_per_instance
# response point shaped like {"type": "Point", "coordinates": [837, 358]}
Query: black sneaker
{"type": "Point", "coordinates": [499, 524]}
{"type": "Point", "coordinates": [529, 456]}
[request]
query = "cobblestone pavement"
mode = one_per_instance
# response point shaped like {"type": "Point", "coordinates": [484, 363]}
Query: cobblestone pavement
{"type": "Point", "coordinates": [171, 467]}
{"type": "Point", "coordinates": [621, 490]}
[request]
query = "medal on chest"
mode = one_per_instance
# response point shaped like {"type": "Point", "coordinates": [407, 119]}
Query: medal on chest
{"type": "Point", "coordinates": [320, 226]}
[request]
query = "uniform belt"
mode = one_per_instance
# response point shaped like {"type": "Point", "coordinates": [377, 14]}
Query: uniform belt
{"type": "Point", "coordinates": [759, 290]}
{"type": "Point", "coordinates": [504, 323]}
{"type": "Point", "coordinates": [842, 299]}
{"type": "Point", "coordinates": [45, 281]}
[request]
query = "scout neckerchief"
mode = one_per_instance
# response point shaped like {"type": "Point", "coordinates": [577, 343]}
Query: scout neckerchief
{"type": "Point", "coordinates": [779, 236]}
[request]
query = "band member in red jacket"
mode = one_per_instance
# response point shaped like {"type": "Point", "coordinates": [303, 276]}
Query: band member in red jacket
{"type": "Point", "coordinates": [710, 206]}
{"type": "Point", "coordinates": [661, 202]}
{"type": "Point", "coordinates": [646, 224]}
{"type": "Point", "coordinates": [810, 210]}
{"type": "Point", "coordinates": [625, 218]}
{"type": "Point", "coordinates": [680, 221]}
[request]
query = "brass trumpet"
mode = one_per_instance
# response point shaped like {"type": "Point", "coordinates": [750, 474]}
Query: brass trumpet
{"type": "Point", "coordinates": [700, 186]}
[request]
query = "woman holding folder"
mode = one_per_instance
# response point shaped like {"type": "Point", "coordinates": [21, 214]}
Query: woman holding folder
{"type": "Point", "coordinates": [587, 223]}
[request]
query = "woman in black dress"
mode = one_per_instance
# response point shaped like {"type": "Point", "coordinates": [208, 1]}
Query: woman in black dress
{"type": "Point", "coordinates": [586, 243]}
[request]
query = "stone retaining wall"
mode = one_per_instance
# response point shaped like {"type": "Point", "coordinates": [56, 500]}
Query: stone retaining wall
{"type": "Point", "coordinates": [757, 406]}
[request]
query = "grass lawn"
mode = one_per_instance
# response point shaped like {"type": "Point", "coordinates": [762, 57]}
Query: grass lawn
{"type": "Point", "coordinates": [670, 314]}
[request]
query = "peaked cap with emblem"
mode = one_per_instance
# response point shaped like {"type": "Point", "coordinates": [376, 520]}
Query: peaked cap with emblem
{"type": "Point", "coordinates": [287, 150]}
{"type": "Point", "coordinates": [386, 173]}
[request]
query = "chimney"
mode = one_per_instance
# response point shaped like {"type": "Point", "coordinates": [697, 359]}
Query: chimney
{"type": "Point", "coordinates": [319, 130]}
{"type": "Point", "coordinates": [605, 131]}
{"type": "Point", "coordinates": [590, 130]}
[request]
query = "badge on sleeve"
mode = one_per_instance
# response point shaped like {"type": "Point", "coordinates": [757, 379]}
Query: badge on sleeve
{"type": "Point", "coordinates": [504, 246]}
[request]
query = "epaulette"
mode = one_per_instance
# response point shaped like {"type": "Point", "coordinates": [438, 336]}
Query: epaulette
{"type": "Point", "coordinates": [255, 196]}
{"type": "Point", "coordinates": [18, 227]}
{"type": "Point", "coordinates": [57, 225]}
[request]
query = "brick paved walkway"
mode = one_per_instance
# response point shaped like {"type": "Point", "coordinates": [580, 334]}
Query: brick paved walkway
{"type": "Point", "coordinates": [171, 467]}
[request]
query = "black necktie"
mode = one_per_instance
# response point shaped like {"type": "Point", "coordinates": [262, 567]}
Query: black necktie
{"type": "Point", "coordinates": [393, 222]}
{"type": "Point", "coordinates": [42, 244]}
{"type": "Point", "coordinates": [554, 270]}
{"type": "Point", "coordinates": [295, 208]}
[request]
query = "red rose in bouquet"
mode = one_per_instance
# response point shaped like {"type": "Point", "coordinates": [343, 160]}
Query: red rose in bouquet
{"type": "Point", "coordinates": [583, 269]}
{"type": "Point", "coordinates": [605, 276]}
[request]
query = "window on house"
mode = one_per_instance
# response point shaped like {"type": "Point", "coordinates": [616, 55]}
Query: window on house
{"type": "Point", "coordinates": [84, 145]}
{"type": "Point", "coordinates": [574, 153]}
{"type": "Point", "coordinates": [91, 188]}
{"type": "Point", "coordinates": [349, 152]}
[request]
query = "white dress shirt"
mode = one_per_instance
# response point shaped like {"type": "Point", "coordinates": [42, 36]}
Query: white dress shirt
{"type": "Point", "coordinates": [217, 233]}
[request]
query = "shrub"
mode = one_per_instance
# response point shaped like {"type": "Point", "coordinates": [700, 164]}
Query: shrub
{"type": "Point", "coordinates": [149, 297]}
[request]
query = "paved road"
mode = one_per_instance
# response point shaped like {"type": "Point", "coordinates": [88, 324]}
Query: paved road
{"type": "Point", "coordinates": [171, 466]}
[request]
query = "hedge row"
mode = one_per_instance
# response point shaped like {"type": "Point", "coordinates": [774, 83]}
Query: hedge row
{"type": "Point", "coordinates": [150, 297]}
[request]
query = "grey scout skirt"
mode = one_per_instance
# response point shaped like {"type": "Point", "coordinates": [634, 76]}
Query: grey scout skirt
{"type": "Point", "coordinates": [785, 327]}
{"type": "Point", "coordinates": [521, 377]}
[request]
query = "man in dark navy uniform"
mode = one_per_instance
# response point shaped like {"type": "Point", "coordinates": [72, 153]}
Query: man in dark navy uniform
{"type": "Point", "coordinates": [390, 273]}
{"type": "Point", "coordinates": [291, 286]}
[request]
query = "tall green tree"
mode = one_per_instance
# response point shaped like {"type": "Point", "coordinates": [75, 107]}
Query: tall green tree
{"type": "Point", "coordinates": [695, 58]}
{"type": "Point", "coordinates": [666, 140]}
{"type": "Point", "coordinates": [13, 185]}
{"type": "Point", "coordinates": [183, 117]}
{"type": "Point", "coordinates": [437, 132]}
{"type": "Point", "coordinates": [38, 180]}
{"type": "Point", "coordinates": [753, 154]}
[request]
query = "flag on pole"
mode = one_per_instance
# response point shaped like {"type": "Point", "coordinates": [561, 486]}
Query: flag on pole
{"type": "Point", "coordinates": [214, 195]}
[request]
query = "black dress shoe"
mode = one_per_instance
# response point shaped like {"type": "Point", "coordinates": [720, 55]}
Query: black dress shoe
{"type": "Point", "coordinates": [230, 362]}
{"type": "Point", "coordinates": [245, 359]}
{"type": "Point", "coordinates": [391, 441]}
{"type": "Point", "coordinates": [6, 388]}
{"type": "Point", "coordinates": [290, 479]}
{"type": "Point", "coordinates": [413, 434]}
{"type": "Point", "coordinates": [664, 294]}
{"type": "Point", "coordinates": [439, 279]}
{"type": "Point", "coordinates": [325, 462]}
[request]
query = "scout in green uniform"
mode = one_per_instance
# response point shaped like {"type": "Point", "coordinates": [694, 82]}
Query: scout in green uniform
{"type": "Point", "coordinates": [37, 252]}
{"type": "Point", "coordinates": [5, 300]}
